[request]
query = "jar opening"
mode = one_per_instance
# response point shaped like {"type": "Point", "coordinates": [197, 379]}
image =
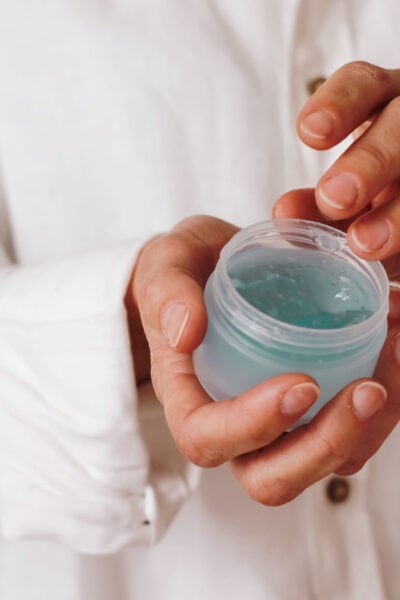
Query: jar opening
{"type": "Point", "coordinates": [291, 281]}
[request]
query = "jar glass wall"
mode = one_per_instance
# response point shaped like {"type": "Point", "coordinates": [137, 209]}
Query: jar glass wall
{"type": "Point", "coordinates": [289, 295]}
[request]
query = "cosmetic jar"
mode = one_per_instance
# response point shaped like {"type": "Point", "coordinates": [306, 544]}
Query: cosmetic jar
{"type": "Point", "coordinates": [288, 295]}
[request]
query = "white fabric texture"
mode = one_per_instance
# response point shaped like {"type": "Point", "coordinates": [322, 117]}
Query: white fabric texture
{"type": "Point", "coordinates": [117, 119]}
{"type": "Point", "coordinates": [65, 394]}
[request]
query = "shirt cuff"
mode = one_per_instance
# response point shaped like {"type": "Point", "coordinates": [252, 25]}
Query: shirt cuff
{"type": "Point", "coordinates": [74, 464]}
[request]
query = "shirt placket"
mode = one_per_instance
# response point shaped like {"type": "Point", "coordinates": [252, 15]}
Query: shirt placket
{"type": "Point", "coordinates": [339, 539]}
{"type": "Point", "coordinates": [340, 544]}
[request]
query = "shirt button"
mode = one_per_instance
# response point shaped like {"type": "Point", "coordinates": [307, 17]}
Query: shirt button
{"type": "Point", "coordinates": [338, 490]}
{"type": "Point", "coordinates": [313, 84]}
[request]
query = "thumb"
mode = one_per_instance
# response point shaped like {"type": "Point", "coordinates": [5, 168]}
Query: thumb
{"type": "Point", "coordinates": [169, 278]}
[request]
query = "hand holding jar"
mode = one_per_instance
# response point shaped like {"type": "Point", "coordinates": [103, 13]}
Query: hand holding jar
{"type": "Point", "coordinates": [246, 431]}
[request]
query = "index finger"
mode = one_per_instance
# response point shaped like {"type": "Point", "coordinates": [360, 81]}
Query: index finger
{"type": "Point", "coordinates": [347, 99]}
{"type": "Point", "coordinates": [169, 278]}
{"type": "Point", "coordinates": [210, 433]}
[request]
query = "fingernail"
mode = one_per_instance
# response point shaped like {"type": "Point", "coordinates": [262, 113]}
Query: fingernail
{"type": "Point", "coordinates": [368, 399]}
{"type": "Point", "coordinates": [371, 235]}
{"type": "Point", "coordinates": [340, 192]}
{"type": "Point", "coordinates": [174, 322]}
{"type": "Point", "coordinates": [317, 125]}
{"type": "Point", "coordinates": [299, 397]}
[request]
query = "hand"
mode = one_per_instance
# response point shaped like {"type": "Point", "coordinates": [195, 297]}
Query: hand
{"type": "Point", "coordinates": [360, 193]}
{"type": "Point", "coordinates": [247, 431]}
{"type": "Point", "coordinates": [363, 185]}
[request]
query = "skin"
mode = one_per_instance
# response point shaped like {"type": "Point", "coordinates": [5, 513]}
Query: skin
{"type": "Point", "coordinates": [247, 432]}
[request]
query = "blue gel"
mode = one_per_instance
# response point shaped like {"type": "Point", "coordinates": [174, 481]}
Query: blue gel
{"type": "Point", "coordinates": [302, 287]}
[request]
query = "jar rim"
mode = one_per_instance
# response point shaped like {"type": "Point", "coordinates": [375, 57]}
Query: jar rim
{"type": "Point", "coordinates": [263, 327]}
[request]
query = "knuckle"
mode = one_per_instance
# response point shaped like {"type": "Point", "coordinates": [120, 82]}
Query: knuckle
{"type": "Point", "coordinates": [242, 418]}
{"type": "Point", "coordinates": [170, 246]}
{"type": "Point", "coordinates": [327, 449]}
{"type": "Point", "coordinates": [176, 242]}
{"type": "Point", "coordinates": [350, 468]}
{"type": "Point", "coordinates": [207, 232]}
{"type": "Point", "coordinates": [192, 222]}
{"type": "Point", "coordinates": [174, 248]}
{"type": "Point", "coordinates": [360, 77]}
{"type": "Point", "coordinates": [186, 254]}
{"type": "Point", "coordinates": [270, 492]}
{"type": "Point", "coordinates": [149, 291]}
{"type": "Point", "coordinates": [195, 233]}
{"type": "Point", "coordinates": [151, 249]}
{"type": "Point", "coordinates": [167, 368]}
{"type": "Point", "coordinates": [196, 451]}
{"type": "Point", "coordinates": [367, 73]}
{"type": "Point", "coordinates": [377, 155]}
{"type": "Point", "coordinates": [202, 223]}
{"type": "Point", "coordinates": [192, 232]}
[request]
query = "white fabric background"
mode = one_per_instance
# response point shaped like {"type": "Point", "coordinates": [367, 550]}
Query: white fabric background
{"type": "Point", "coordinates": [118, 118]}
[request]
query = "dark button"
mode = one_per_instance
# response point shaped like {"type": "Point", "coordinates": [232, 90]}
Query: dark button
{"type": "Point", "coordinates": [338, 490]}
{"type": "Point", "coordinates": [313, 84]}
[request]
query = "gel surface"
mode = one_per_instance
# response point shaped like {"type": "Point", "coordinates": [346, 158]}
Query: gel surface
{"type": "Point", "coordinates": [303, 287]}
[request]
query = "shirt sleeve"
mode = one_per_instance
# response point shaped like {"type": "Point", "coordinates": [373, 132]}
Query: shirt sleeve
{"type": "Point", "coordinates": [78, 461]}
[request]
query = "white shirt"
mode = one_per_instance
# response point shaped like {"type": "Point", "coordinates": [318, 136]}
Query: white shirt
{"type": "Point", "coordinates": [117, 119]}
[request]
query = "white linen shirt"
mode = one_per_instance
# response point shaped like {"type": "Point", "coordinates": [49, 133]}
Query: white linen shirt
{"type": "Point", "coordinates": [117, 119]}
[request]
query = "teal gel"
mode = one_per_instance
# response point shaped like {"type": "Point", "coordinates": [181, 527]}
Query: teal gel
{"type": "Point", "coordinates": [302, 287]}
{"type": "Point", "coordinates": [290, 296]}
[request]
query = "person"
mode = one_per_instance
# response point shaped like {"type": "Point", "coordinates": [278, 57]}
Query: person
{"type": "Point", "coordinates": [121, 123]}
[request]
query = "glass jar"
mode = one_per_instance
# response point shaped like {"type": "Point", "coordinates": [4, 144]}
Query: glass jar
{"type": "Point", "coordinates": [325, 310]}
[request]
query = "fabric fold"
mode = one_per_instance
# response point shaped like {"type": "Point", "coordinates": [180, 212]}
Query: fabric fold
{"type": "Point", "coordinates": [74, 465]}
